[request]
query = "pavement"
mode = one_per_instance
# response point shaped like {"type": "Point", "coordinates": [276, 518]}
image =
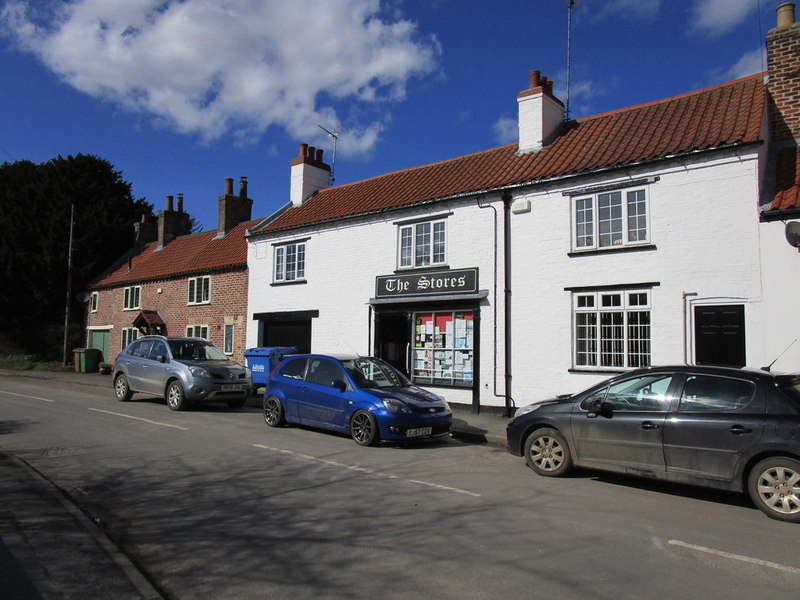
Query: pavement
{"type": "Point", "coordinates": [51, 550]}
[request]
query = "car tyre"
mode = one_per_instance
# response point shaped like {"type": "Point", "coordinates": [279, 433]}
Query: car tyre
{"type": "Point", "coordinates": [774, 487]}
{"type": "Point", "coordinates": [364, 428]}
{"type": "Point", "coordinates": [273, 412]}
{"type": "Point", "coordinates": [547, 453]}
{"type": "Point", "coordinates": [122, 389]}
{"type": "Point", "coordinates": [175, 396]}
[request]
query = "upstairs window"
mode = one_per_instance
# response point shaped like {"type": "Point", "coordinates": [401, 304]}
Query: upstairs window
{"type": "Point", "coordinates": [200, 290]}
{"type": "Point", "coordinates": [422, 244]}
{"type": "Point", "coordinates": [611, 220]}
{"type": "Point", "coordinates": [290, 262]}
{"type": "Point", "coordinates": [93, 301]}
{"type": "Point", "coordinates": [132, 298]}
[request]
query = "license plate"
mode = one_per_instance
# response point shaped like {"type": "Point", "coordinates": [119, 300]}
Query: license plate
{"type": "Point", "coordinates": [236, 387]}
{"type": "Point", "coordinates": [418, 431]}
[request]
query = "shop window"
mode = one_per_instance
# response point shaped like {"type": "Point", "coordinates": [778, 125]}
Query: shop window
{"type": "Point", "coordinates": [422, 244]}
{"type": "Point", "coordinates": [443, 348]}
{"type": "Point", "coordinates": [199, 290]}
{"type": "Point", "coordinates": [612, 329]}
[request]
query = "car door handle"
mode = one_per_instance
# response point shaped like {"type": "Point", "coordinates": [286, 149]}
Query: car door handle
{"type": "Point", "coordinates": [649, 425]}
{"type": "Point", "coordinates": [739, 430]}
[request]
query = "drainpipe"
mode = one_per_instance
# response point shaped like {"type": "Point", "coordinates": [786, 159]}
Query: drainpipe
{"type": "Point", "coordinates": [507, 297]}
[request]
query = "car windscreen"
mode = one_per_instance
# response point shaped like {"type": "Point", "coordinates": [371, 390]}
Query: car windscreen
{"type": "Point", "coordinates": [195, 350]}
{"type": "Point", "coordinates": [371, 373]}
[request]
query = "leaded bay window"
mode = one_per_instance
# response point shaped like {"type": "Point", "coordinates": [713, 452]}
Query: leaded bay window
{"type": "Point", "coordinates": [199, 290]}
{"type": "Point", "coordinates": [612, 329]}
{"type": "Point", "coordinates": [422, 244]}
{"type": "Point", "coordinates": [290, 262]}
{"type": "Point", "coordinates": [611, 220]}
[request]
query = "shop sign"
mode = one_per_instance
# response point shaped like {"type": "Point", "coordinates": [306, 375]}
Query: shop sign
{"type": "Point", "coordinates": [432, 283]}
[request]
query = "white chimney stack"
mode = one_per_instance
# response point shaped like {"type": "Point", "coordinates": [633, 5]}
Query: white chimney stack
{"type": "Point", "coordinates": [309, 174]}
{"type": "Point", "coordinates": [540, 114]}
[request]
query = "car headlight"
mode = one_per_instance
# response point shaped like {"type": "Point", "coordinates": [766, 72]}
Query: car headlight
{"type": "Point", "coordinates": [446, 405]}
{"type": "Point", "coordinates": [200, 372]}
{"type": "Point", "coordinates": [524, 410]}
{"type": "Point", "coordinates": [395, 406]}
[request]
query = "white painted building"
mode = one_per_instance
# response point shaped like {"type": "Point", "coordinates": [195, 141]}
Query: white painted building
{"type": "Point", "coordinates": [593, 246]}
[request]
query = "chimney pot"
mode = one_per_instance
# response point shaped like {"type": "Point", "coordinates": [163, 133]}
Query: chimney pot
{"type": "Point", "coordinates": [243, 187]}
{"type": "Point", "coordinates": [534, 78]}
{"type": "Point", "coordinates": [786, 14]}
{"type": "Point", "coordinates": [229, 186]}
{"type": "Point", "coordinates": [180, 203]}
{"type": "Point", "coordinates": [303, 150]}
{"type": "Point", "coordinates": [318, 156]}
{"type": "Point", "coordinates": [169, 202]}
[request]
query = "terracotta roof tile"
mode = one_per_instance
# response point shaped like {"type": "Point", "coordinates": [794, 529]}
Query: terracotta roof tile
{"type": "Point", "coordinates": [185, 255]}
{"type": "Point", "coordinates": [787, 193]}
{"type": "Point", "coordinates": [719, 116]}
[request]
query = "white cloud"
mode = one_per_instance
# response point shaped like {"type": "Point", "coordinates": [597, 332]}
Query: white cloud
{"type": "Point", "coordinates": [232, 67]}
{"type": "Point", "coordinates": [717, 17]}
{"type": "Point", "coordinates": [749, 64]}
{"type": "Point", "coordinates": [506, 130]}
{"type": "Point", "coordinates": [638, 9]}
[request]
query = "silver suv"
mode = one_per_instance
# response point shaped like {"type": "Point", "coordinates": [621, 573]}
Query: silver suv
{"type": "Point", "coordinates": [182, 370]}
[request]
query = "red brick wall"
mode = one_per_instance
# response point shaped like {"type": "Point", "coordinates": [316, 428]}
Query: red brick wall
{"type": "Point", "coordinates": [783, 63]}
{"type": "Point", "coordinates": [170, 298]}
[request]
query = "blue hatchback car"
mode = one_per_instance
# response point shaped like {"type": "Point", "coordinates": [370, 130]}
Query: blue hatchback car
{"type": "Point", "coordinates": [360, 395]}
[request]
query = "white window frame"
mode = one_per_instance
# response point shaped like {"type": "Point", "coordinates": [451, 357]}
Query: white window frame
{"type": "Point", "coordinates": [132, 298]}
{"type": "Point", "coordinates": [594, 227]}
{"type": "Point", "coordinates": [199, 290]}
{"type": "Point", "coordinates": [228, 338]}
{"type": "Point", "coordinates": [612, 329]}
{"type": "Point", "coordinates": [94, 301]}
{"type": "Point", "coordinates": [129, 334]}
{"type": "Point", "coordinates": [289, 262]}
{"type": "Point", "coordinates": [422, 244]}
{"type": "Point", "coordinates": [198, 331]}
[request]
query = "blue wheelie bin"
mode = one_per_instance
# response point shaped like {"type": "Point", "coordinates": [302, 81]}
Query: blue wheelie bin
{"type": "Point", "coordinates": [261, 361]}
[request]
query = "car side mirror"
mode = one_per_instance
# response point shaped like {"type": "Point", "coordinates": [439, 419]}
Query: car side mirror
{"type": "Point", "coordinates": [162, 359]}
{"type": "Point", "coordinates": [339, 385]}
{"type": "Point", "coordinates": [599, 408]}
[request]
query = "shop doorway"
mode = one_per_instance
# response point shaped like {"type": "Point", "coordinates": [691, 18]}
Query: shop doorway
{"type": "Point", "coordinates": [393, 339]}
{"type": "Point", "coordinates": [719, 335]}
{"type": "Point", "coordinates": [286, 329]}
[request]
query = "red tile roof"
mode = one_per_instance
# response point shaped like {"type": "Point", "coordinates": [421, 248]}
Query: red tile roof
{"type": "Point", "coordinates": [715, 117]}
{"type": "Point", "coordinates": [183, 256]}
{"type": "Point", "coordinates": [787, 194]}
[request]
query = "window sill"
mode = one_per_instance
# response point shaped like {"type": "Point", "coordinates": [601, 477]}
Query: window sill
{"type": "Point", "coordinates": [600, 370]}
{"type": "Point", "coordinates": [427, 268]}
{"type": "Point", "coordinates": [292, 282]}
{"type": "Point", "coordinates": [612, 250]}
{"type": "Point", "coordinates": [198, 303]}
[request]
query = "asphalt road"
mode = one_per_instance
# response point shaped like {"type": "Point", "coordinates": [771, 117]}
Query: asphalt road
{"type": "Point", "coordinates": [211, 503]}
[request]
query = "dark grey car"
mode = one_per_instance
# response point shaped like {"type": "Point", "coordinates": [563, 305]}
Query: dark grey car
{"type": "Point", "coordinates": [182, 370]}
{"type": "Point", "coordinates": [733, 429]}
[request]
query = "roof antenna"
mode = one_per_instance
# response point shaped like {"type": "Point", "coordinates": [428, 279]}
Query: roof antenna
{"type": "Point", "coordinates": [335, 137]}
{"type": "Point", "coordinates": [767, 368]}
{"type": "Point", "coordinates": [570, 6]}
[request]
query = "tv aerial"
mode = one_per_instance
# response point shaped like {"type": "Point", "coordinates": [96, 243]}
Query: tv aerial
{"type": "Point", "coordinates": [335, 137]}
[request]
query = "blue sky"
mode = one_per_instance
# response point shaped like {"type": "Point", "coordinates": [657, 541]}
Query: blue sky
{"type": "Point", "coordinates": [178, 95]}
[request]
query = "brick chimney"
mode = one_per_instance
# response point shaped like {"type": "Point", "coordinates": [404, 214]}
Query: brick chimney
{"type": "Point", "coordinates": [783, 64]}
{"type": "Point", "coordinates": [540, 114]}
{"type": "Point", "coordinates": [234, 209]}
{"type": "Point", "coordinates": [309, 174]}
{"type": "Point", "coordinates": [172, 223]}
{"type": "Point", "coordinates": [145, 231]}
